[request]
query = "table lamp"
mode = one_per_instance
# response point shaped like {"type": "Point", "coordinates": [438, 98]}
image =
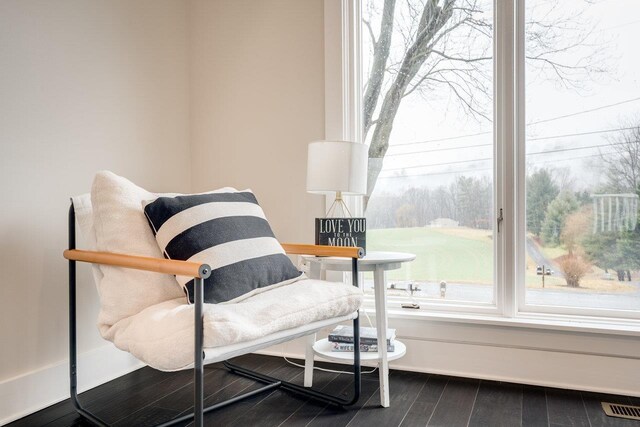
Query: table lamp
{"type": "Point", "coordinates": [338, 167]}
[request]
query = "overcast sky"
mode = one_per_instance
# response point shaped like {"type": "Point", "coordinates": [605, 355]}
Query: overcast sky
{"type": "Point", "coordinates": [616, 23]}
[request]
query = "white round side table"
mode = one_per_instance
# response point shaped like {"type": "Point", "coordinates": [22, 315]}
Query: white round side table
{"type": "Point", "coordinates": [379, 263]}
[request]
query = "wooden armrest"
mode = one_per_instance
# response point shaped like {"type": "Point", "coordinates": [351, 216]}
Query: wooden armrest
{"type": "Point", "coordinates": [159, 265]}
{"type": "Point", "coordinates": [323, 250]}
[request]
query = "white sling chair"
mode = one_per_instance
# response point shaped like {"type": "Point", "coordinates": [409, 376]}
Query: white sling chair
{"type": "Point", "coordinates": [200, 330]}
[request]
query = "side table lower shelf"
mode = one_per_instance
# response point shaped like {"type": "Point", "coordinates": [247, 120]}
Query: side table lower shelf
{"type": "Point", "coordinates": [322, 348]}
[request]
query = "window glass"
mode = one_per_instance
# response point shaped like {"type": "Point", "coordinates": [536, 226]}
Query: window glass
{"type": "Point", "coordinates": [582, 154]}
{"type": "Point", "coordinates": [427, 118]}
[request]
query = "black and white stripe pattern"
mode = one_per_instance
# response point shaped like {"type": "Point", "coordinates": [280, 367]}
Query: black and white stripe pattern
{"type": "Point", "coordinates": [227, 230]}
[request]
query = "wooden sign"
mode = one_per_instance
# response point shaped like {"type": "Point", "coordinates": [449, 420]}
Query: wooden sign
{"type": "Point", "coordinates": [342, 232]}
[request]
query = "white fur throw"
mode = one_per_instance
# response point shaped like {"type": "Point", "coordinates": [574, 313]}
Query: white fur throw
{"type": "Point", "coordinates": [163, 335]}
{"type": "Point", "coordinates": [120, 226]}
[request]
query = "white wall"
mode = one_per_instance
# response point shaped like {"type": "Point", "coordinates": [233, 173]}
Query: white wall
{"type": "Point", "coordinates": [257, 99]}
{"type": "Point", "coordinates": [126, 86]}
{"type": "Point", "coordinates": [84, 86]}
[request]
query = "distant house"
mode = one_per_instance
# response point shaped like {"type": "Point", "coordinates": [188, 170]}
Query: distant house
{"type": "Point", "coordinates": [444, 223]}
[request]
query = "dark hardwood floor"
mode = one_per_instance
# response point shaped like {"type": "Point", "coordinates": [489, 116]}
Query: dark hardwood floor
{"type": "Point", "coordinates": [147, 397]}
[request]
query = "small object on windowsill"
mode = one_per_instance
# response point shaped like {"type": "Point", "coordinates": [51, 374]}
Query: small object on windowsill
{"type": "Point", "coordinates": [413, 305]}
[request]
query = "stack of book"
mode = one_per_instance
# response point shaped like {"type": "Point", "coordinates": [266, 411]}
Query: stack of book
{"type": "Point", "coordinates": [341, 339]}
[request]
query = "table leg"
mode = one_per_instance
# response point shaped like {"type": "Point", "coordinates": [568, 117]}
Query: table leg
{"type": "Point", "coordinates": [308, 361]}
{"type": "Point", "coordinates": [315, 270]}
{"type": "Point", "coordinates": [380, 285]}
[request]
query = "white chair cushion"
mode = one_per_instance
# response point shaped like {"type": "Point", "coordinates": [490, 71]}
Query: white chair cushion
{"type": "Point", "coordinates": [163, 335]}
{"type": "Point", "coordinates": [120, 226]}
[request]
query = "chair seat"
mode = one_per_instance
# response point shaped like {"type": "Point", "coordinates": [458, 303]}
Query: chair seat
{"type": "Point", "coordinates": [162, 335]}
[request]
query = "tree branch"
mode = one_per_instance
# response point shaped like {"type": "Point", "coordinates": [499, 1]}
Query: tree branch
{"type": "Point", "coordinates": [374, 42]}
{"type": "Point", "coordinates": [378, 65]}
{"type": "Point", "coordinates": [468, 60]}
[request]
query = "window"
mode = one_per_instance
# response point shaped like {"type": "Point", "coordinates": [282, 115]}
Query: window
{"type": "Point", "coordinates": [514, 200]}
{"type": "Point", "coordinates": [427, 118]}
{"type": "Point", "coordinates": [582, 155]}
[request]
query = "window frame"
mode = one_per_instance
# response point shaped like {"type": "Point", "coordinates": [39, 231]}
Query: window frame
{"type": "Point", "coordinates": [343, 60]}
{"type": "Point", "coordinates": [520, 141]}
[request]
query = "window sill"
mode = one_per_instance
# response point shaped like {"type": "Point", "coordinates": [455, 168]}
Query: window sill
{"type": "Point", "coordinates": [579, 324]}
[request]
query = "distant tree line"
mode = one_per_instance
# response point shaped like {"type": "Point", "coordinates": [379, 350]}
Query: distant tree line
{"type": "Point", "coordinates": [619, 251]}
{"type": "Point", "coordinates": [468, 200]}
{"type": "Point", "coordinates": [558, 216]}
{"type": "Point", "coordinates": [555, 214]}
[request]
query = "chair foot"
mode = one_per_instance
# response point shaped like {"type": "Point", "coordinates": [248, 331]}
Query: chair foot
{"type": "Point", "coordinates": [295, 388]}
{"type": "Point", "coordinates": [222, 404]}
{"type": "Point", "coordinates": [88, 415]}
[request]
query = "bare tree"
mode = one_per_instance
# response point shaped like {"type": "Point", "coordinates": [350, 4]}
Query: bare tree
{"type": "Point", "coordinates": [574, 268]}
{"type": "Point", "coordinates": [622, 159]}
{"type": "Point", "coordinates": [576, 227]}
{"type": "Point", "coordinates": [447, 45]}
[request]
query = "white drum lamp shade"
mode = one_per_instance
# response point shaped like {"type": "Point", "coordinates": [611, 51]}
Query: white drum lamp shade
{"type": "Point", "coordinates": [337, 167]}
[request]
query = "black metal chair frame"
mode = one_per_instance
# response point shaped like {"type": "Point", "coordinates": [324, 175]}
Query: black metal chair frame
{"type": "Point", "coordinates": [198, 371]}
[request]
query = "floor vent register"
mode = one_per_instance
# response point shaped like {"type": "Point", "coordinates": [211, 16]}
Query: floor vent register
{"type": "Point", "coordinates": [621, 411]}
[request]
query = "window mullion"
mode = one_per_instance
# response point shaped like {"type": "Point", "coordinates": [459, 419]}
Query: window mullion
{"type": "Point", "coordinates": [520, 234]}
{"type": "Point", "coordinates": [505, 169]}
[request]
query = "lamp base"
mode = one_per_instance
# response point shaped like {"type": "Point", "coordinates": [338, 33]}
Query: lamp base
{"type": "Point", "coordinates": [338, 208]}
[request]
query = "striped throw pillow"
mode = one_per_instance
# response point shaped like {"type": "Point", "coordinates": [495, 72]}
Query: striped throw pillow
{"type": "Point", "coordinates": [227, 230]}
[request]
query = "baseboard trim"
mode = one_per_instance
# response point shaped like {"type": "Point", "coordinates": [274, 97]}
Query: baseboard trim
{"type": "Point", "coordinates": [32, 391]}
{"type": "Point", "coordinates": [566, 370]}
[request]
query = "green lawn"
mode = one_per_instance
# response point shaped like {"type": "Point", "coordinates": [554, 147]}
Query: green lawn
{"type": "Point", "coordinates": [454, 255]}
{"type": "Point", "coordinates": [465, 255]}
